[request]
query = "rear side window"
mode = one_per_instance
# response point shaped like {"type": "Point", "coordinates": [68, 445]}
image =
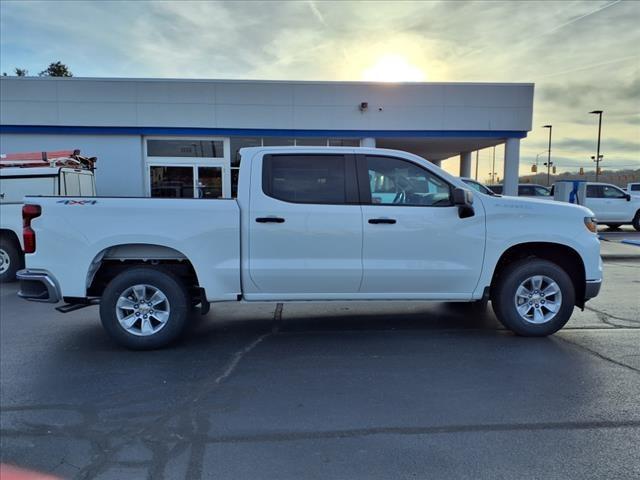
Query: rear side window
{"type": "Point", "coordinates": [635, 188]}
{"type": "Point", "coordinates": [594, 191]}
{"type": "Point", "coordinates": [305, 178]}
{"type": "Point", "coordinates": [71, 184]}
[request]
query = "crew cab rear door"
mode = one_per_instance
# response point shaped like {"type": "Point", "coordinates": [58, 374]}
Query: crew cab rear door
{"type": "Point", "coordinates": [305, 227]}
{"type": "Point", "coordinates": [415, 244]}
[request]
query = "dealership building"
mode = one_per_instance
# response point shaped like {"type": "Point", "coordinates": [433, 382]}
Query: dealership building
{"type": "Point", "coordinates": [158, 137]}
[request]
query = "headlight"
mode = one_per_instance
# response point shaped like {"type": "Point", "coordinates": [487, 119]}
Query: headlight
{"type": "Point", "coordinates": [591, 224]}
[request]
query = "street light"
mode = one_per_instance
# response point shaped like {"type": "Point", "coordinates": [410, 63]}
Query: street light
{"type": "Point", "coordinates": [598, 157]}
{"type": "Point", "coordinates": [549, 163]}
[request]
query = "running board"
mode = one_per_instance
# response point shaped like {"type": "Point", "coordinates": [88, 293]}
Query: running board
{"type": "Point", "coordinates": [72, 307]}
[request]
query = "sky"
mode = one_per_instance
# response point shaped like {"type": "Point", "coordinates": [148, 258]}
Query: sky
{"type": "Point", "coordinates": [581, 55]}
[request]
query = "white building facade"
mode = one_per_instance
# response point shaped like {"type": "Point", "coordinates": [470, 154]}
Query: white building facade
{"type": "Point", "coordinates": [180, 138]}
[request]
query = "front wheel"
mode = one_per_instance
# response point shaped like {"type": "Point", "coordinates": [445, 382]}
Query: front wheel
{"type": "Point", "coordinates": [534, 298]}
{"type": "Point", "coordinates": [144, 308]}
{"type": "Point", "coordinates": [636, 221]}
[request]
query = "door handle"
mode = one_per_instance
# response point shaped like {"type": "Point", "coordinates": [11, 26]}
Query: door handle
{"type": "Point", "coordinates": [270, 220]}
{"type": "Point", "coordinates": [376, 221]}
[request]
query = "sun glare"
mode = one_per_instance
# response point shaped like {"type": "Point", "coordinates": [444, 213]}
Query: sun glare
{"type": "Point", "coordinates": [393, 68]}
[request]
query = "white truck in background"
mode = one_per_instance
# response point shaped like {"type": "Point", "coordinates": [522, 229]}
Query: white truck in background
{"type": "Point", "coordinates": [40, 173]}
{"type": "Point", "coordinates": [312, 223]}
{"type": "Point", "coordinates": [633, 188]}
{"type": "Point", "coordinates": [611, 205]}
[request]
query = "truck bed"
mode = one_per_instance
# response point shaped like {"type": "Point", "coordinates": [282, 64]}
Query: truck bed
{"type": "Point", "coordinates": [74, 233]}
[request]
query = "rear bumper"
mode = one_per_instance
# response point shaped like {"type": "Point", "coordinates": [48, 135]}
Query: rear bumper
{"type": "Point", "coordinates": [592, 288]}
{"type": "Point", "coordinates": [38, 286]}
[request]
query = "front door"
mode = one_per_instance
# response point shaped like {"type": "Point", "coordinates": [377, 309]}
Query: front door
{"type": "Point", "coordinates": [415, 244]}
{"type": "Point", "coordinates": [305, 227]}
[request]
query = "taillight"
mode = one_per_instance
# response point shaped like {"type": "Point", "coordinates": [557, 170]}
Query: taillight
{"type": "Point", "coordinates": [29, 212]}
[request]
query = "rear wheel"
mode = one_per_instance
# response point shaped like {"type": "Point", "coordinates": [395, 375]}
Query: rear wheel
{"type": "Point", "coordinates": [11, 259]}
{"type": "Point", "coordinates": [144, 308]}
{"type": "Point", "coordinates": [534, 298]}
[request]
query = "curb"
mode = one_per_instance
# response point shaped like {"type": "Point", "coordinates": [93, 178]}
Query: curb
{"type": "Point", "coordinates": [620, 256]}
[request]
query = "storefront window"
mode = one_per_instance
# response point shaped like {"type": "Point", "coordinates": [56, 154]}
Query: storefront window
{"type": "Point", "coordinates": [311, 142]}
{"type": "Point", "coordinates": [240, 142]}
{"type": "Point", "coordinates": [185, 148]}
{"type": "Point", "coordinates": [171, 182]}
{"type": "Point", "coordinates": [344, 142]}
{"type": "Point", "coordinates": [277, 142]}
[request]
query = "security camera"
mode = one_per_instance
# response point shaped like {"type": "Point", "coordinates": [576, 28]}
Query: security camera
{"type": "Point", "coordinates": [363, 106]}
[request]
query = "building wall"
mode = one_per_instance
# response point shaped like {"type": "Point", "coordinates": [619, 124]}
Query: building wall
{"type": "Point", "coordinates": [264, 104]}
{"type": "Point", "coordinates": [120, 169]}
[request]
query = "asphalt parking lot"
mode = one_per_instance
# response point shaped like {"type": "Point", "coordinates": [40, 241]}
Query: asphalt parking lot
{"type": "Point", "coordinates": [345, 390]}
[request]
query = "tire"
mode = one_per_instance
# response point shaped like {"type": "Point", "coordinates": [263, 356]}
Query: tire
{"type": "Point", "coordinates": [156, 321]}
{"type": "Point", "coordinates": [532, 323]}
{"type": "Point", "coordinates": [11, 259]}
{"type": "Point", "coordinates": [636, 221]}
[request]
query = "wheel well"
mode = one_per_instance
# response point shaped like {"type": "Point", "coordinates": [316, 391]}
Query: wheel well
{"type": "Point", "coordinates": [118, 258]}
{"type": "Point", "coordinates": [563, 256]}
{"type": "Point", "coordinates": [11, 235]}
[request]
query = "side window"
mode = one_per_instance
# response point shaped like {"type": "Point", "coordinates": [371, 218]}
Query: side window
{"type": "Point", "coordinates": [526, 190]}
{"type": "Point", "coordinates": [593, 191]}
{"type": "Point", "coordinates": [635, 187]}
{"type": "Point", "coordinates": [609, 191]}
{"type": "Point", "coordinates": [305, 178]}
{"type": "Point", "coordinates": [86, 185]}
{"type": "Point", "coordinates": [398, 182]}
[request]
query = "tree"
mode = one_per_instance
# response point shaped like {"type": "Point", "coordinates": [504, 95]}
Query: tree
{"type": "Point", "coordinates": [21, 72]}
{"type": "Point", "coordinates": [57, 69]}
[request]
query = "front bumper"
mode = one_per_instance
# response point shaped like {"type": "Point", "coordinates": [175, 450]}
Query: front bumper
{"type": "Point", "coordinates": [592, 288]}
{"type": "Point", "coordinates": [38, 286]}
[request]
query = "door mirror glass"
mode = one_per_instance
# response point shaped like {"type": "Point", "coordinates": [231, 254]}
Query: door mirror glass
{"type": "Point", "coordinates": [463, 199]}
{"type": "Point", "coordinates": [462, 196]}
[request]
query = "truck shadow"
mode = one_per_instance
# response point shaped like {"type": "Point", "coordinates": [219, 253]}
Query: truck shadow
{"type": "Point", "coordinates": [335, 317]}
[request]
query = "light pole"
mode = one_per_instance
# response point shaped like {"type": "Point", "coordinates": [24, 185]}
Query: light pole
{"type": "Point", "coordinates": [599, 113]}
{"type": "Point", "coordinates": [548, 164]}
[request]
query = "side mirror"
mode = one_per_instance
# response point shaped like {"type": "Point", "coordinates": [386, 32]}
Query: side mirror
{"type": "Point", "coordinates": [463, 199]}
{"type": "Point", "coordinates": [628, 195]}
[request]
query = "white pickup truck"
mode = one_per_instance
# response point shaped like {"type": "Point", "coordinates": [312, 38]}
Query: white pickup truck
{"type": "Point", "coordinates": [611, 205]}
{"type": "Point", "coordinates": [312, 223]}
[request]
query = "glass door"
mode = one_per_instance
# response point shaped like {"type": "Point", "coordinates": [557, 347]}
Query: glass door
{"type": "Point", "coordinates": [171, 181]}
{"type": "Point", "coordinates": [209, 183]}
{"type": "Point", "coordinates": [189, 181]}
